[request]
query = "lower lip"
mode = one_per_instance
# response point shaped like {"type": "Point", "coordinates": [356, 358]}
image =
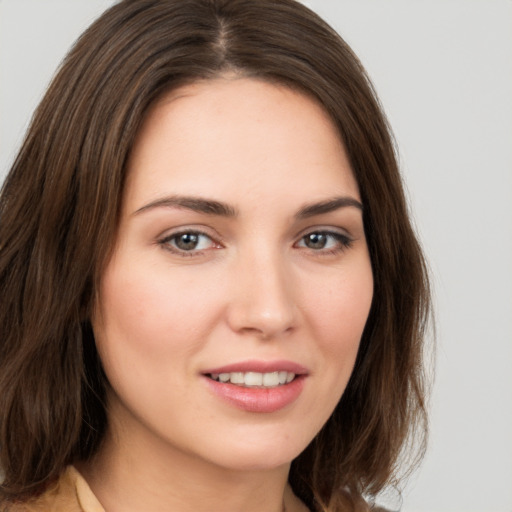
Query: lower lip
{"type": "Point", "coordinates": [258, 399]}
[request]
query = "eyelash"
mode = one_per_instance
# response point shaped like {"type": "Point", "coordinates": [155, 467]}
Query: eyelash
{"type": "Point", "coordinates": [166, 243]}
{"type": "Point", "coordinates": [343, 242]}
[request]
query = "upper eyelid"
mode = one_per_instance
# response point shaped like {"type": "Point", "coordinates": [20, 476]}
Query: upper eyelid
{"type": "Point", "coordinates": [325, 229]}
{"type": "Point", "coordinates": [331, 232]}
{"type": "Point", "coordinates": [175, 234]}
{"type": "Point", "coordinates": [172, 232]}
{"type": "Point", "coordinates": [334, 234]}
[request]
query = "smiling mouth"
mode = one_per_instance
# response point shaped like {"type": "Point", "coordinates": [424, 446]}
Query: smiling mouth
{"type": "Point", "coordinates": [254, 379]}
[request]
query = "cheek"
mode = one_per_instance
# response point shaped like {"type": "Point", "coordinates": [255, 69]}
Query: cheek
{"type": "Point", "coordinates": [146, 316]}
{"type": "Point", "coordinates": [340, 310]}
{"type": "Point", "coordinates": [338, 315]}
{"type": "Point", "coordinates": [335, 315]}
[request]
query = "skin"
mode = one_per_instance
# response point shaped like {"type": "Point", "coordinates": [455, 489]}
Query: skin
{"type": "Point", "coordinates": [254, 289]}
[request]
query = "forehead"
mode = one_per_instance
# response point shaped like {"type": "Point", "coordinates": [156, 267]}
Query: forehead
{"type": "Point", "coordinates": [239, 138]}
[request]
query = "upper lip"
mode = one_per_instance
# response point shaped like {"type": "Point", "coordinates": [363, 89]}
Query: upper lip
{"type": "Point", "coordinates": [259, 367]}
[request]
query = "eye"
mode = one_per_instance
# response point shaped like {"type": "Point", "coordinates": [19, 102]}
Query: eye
{"type": "Point", "coordinates": [188, 242]}
{"type": "Point", "coordinates": [326, 241]}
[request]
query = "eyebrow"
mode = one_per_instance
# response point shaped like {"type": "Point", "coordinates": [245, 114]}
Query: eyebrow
{"type": "Point", "coordinates": [327, 206]}
{"type": "Point", "coordinates": [196, 204]}
{"type": "Point", "coordinates": [213, 207]}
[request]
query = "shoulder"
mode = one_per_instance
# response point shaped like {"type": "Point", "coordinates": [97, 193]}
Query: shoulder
{"type": "Point", "coordinates": [69, 494]}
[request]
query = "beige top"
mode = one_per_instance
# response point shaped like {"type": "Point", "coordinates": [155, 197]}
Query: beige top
{"type": "Point", "coordinates": [70, 494]}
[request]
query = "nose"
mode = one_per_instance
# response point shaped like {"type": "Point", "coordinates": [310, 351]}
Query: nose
{"type": "Point", "coordinates": [262, 302]}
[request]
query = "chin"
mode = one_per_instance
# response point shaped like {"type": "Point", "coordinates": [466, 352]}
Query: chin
{"type": "Point", "coordinates": [258, 454]}
{"type": "Point", "coordinates": [262, 461]}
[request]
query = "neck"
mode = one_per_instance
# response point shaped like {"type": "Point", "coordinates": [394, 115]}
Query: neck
{"type": "Point", "coordinates": [152, 475]}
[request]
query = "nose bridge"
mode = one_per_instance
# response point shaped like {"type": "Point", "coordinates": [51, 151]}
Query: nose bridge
{"type": "Point", "coordinates": [263, 301]}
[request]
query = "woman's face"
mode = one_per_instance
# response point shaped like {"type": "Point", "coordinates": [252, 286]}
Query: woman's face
{"type": "Point", "coordinates": [230, 314]}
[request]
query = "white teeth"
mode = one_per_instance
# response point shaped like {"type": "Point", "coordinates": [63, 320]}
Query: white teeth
{"type": "Point", "coordinates": [255, 379]}
{"type": "Point", "coordinates": [237, 378]}
{"type": "Point", "coordinates": [271, 379]}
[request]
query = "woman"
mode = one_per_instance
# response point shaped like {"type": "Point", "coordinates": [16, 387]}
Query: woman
{"type": "Point", "coordinates": [212, 297]}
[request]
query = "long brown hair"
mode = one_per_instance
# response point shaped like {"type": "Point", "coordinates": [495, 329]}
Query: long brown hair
{"type": "Point", "coordinates": [59, 210]}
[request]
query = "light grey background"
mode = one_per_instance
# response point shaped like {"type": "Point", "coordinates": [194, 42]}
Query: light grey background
{"type": "Point", "coordinates": [443, 69]}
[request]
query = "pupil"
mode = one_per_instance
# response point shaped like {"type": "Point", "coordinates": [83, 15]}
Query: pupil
{"type": "Point", "coordinates": [187, 241]}
{"type": "Point", "coordinates": [316, 240]}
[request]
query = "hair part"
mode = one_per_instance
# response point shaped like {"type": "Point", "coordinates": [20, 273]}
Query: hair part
{"type": "Point", "coordinates": [59, 211]}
